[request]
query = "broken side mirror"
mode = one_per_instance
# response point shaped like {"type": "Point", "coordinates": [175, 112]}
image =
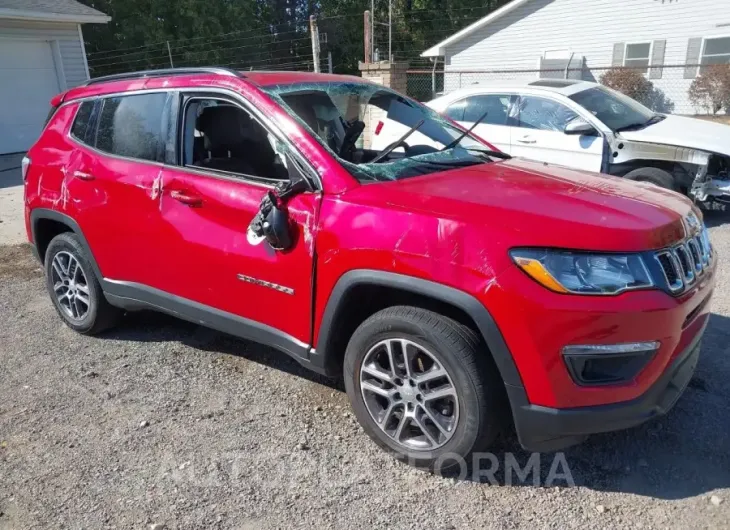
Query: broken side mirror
{"type": "Point", "coordinates": [272, 221]}
{"type": "Point", "coordinates": [275, 228]}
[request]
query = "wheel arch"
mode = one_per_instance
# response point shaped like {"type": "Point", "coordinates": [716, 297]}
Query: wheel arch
{"type": "Point", "coordinates": [45, 224]}
{"type": "Point", "coordinates": [330, 350]}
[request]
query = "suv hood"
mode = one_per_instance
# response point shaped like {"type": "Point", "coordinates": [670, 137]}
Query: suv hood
{"type": "Point", "coordinates": [681, 131]}
{"type": "Point", "coordinates": [536, 204]}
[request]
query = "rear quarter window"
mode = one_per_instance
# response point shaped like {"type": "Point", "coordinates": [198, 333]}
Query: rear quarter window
{"type": "Point", "coordinates": [131, 126]}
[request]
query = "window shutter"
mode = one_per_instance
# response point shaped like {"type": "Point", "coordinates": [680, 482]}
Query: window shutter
{"type": "Point", "coordinates": [618, 54]}
{"type": "Point", "coordinates": [694, 46]}
{"type": "Point", "coordinates": [657, 58]}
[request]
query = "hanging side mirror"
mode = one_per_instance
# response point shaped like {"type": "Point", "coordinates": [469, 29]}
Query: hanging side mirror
{"type": "Point", "coordinates": [272, 221]}
{"type": "Point", "coordinates": [275, 228]}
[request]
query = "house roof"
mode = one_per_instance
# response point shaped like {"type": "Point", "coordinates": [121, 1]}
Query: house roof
{"type": "Point", "coordinates": [438, 49]}
{"type": "Point", "coordinates": [51, 11]}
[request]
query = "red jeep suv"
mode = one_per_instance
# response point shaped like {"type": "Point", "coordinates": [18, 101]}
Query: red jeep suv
{"type": "Point", "coordinates": [364, 235]}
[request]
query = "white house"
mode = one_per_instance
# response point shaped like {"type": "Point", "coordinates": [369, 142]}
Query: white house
{"type": "Point", "coordinates": [41, 54]}
{"type": "Point", "coordinates": [667, 39]}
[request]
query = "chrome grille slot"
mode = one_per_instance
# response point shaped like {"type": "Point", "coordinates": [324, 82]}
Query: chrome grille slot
{"type": "Point", "coordinates": [670, 266]}
{"type": "Point", "coordinates": [683, 263]}
{"type": "Point", "coordinates": [695, 254]}
{"type": "Point", "coordinates": [706, 245]}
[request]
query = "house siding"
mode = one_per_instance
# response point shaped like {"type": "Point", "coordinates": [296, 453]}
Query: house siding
{"type": "Point", "coordinates": [517, 40]}
{"type": "Point", "coordinates": [66, 35]}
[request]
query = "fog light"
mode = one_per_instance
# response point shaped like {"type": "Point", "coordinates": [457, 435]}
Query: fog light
{"type": "Point", "coordinates": [604, 364]}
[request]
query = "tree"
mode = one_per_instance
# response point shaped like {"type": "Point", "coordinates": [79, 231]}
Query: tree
{"type": "Point", "coordinates": [265, 33]}
{"type": "Point", "coordinates": [711, 89]}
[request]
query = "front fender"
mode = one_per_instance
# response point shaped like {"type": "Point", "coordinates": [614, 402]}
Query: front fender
{"type": "Point", "coordinates": [327, 359]}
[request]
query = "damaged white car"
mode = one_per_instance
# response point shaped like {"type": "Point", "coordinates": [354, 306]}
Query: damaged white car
{"type": "Point", "coordinates": [587, 126]}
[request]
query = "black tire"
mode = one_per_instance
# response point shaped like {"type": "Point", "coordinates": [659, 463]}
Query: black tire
{"type": "Point", "coordinates": [466, 359]}
{"type": "Point", "coordinates": [654, 175]}
{"type": "Point", "coordinates": [100, 314]}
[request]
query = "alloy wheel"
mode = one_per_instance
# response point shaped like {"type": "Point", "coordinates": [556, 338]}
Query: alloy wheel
{"type": "Point", "coordinates": [409, 394]}
{"type": "Point", "coordinates": [70, 286]}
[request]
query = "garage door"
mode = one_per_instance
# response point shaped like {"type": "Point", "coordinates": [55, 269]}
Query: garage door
{"type": "Point", "coordinates": [28, 81]}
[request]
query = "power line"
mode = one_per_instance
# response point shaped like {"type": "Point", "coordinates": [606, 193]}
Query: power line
{"type": "Point", "coordinates": [181, 40]}
{"type": "Point", "coordinates": [175, 47]}
{"type": "Point", "coordinates": [267, 27]}
{"type": "Point", "coordinates": [185, 54]}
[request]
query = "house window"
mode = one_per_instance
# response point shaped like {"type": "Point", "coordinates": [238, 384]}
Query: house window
{"type": "Point", "coordinates": [637, 56]}
{"type": "Point", "coordinates": [716, 51]}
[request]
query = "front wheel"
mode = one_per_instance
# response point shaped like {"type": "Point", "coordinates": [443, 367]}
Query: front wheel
{"type": "Point", "coordinates": [422, 387]}
{"type": "Point", "coordinates": [656, 176]}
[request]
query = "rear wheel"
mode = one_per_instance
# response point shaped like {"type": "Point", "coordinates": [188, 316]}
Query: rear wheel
{"type": "Point", "coordinates": [421, 387]}
{"type": "Point", "coordinates": [654, 175]}
{"type": "Point", "coordinates": [75, 289]}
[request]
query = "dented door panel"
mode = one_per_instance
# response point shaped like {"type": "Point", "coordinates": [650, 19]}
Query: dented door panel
{"type": "Point", "coordinates": [210, 257]}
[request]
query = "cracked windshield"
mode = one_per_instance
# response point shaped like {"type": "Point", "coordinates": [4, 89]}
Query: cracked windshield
{"type": "Point", "coordinates": [379, 135]}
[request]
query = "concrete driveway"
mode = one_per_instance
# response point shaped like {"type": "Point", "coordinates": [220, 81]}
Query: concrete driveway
{"type": "Point", "coordinates": [12, 227]}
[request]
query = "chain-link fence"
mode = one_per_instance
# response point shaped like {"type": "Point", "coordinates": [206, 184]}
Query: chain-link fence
{"type": "Point", "coordinates": [663, 88]}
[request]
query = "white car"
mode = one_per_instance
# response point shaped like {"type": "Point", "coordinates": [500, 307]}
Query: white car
{"type": "Point", "coordinates": [588, 126]}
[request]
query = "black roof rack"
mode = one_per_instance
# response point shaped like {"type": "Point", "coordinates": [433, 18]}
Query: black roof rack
{"type": "Point", "coordinates": [164, 72]}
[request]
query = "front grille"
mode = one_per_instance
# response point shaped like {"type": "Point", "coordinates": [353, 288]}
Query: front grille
{"type": "Point", "coordinates": [687, 268]}
{"type": "Point", "coordinates": [684, 263]}
{"type": "Point", "coordinates": [670, 271]}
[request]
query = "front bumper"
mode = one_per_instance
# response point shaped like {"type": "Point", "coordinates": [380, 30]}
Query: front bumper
{"type": "Point", "coordinates": [712, 188]}
{"type": "Point", "coordinates": [549, 429]}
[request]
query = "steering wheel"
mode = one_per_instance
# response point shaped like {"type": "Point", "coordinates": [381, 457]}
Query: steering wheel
{"type": "Point", "coordinates": [348, 142]}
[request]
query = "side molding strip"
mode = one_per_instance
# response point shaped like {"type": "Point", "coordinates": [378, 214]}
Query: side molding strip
{"type": "Point", "coordinates": [135, 296]}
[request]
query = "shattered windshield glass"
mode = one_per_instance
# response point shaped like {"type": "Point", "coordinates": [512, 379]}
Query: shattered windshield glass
{"type": "Point", "coordinates": [614, 109]}
{"type": "Point", "coordinates": [376, 133]}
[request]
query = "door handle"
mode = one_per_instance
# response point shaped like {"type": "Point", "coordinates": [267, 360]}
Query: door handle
{"type": "Point", "coordinates": [83, 176]}
{"type": "Point", "coordinates": [526, 140]}
{"type": "Point", "coordinates": [186, 198]}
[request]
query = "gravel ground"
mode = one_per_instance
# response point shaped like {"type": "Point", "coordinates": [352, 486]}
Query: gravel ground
{"type": "Point", "coordinates": [164, 424]}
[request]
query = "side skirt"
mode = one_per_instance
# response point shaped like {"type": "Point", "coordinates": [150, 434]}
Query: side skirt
{"type": "Point", "coordinates": [134, 296]}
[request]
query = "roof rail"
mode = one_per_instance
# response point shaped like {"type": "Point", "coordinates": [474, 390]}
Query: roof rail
{"type": "Point", "coordinates": [164, 72]}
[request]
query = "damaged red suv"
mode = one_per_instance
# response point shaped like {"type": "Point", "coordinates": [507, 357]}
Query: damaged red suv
{"type": "Point", "coordinates": [454, 289]}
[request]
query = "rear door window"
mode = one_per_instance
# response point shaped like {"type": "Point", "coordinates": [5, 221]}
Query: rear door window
{"type": "Point", "coordinates": [455, 111]}
{"type": "Point", "coordinates": [132, 126]}
{"type": "Point", "coordinates": [496, 106]}
{"type": "Point", "coordinates": [81, 123]}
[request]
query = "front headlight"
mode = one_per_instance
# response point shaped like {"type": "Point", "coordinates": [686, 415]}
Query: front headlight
{"type": "Point", "coordinates": [565, 271]}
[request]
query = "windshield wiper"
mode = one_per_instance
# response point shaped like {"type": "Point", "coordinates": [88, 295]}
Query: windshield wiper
{"type": "Point", "coordinates": [449, 163]}
{"type": "Point", "coordinates": [656, 118]}
{"type": "Point", "coordinates": [395, 144]}
{"type": "Point", "coordinates": [489, 152]}
{"type": "Point", "coordinates": [465, 133]}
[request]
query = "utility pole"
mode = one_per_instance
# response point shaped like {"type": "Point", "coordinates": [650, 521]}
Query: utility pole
{"type": "Point", "coordinates": [329, 62]}
{"type": "Point", "coordinates": [169, 54]}
{"type": "Point", "coordinates": [368, 37]}
{"type": "Point", "coordinates": [372, 29]}
{"type": "Point", "coordinates": [314, 30]}
{"type": "Point", "coordinates": [390, 30]}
